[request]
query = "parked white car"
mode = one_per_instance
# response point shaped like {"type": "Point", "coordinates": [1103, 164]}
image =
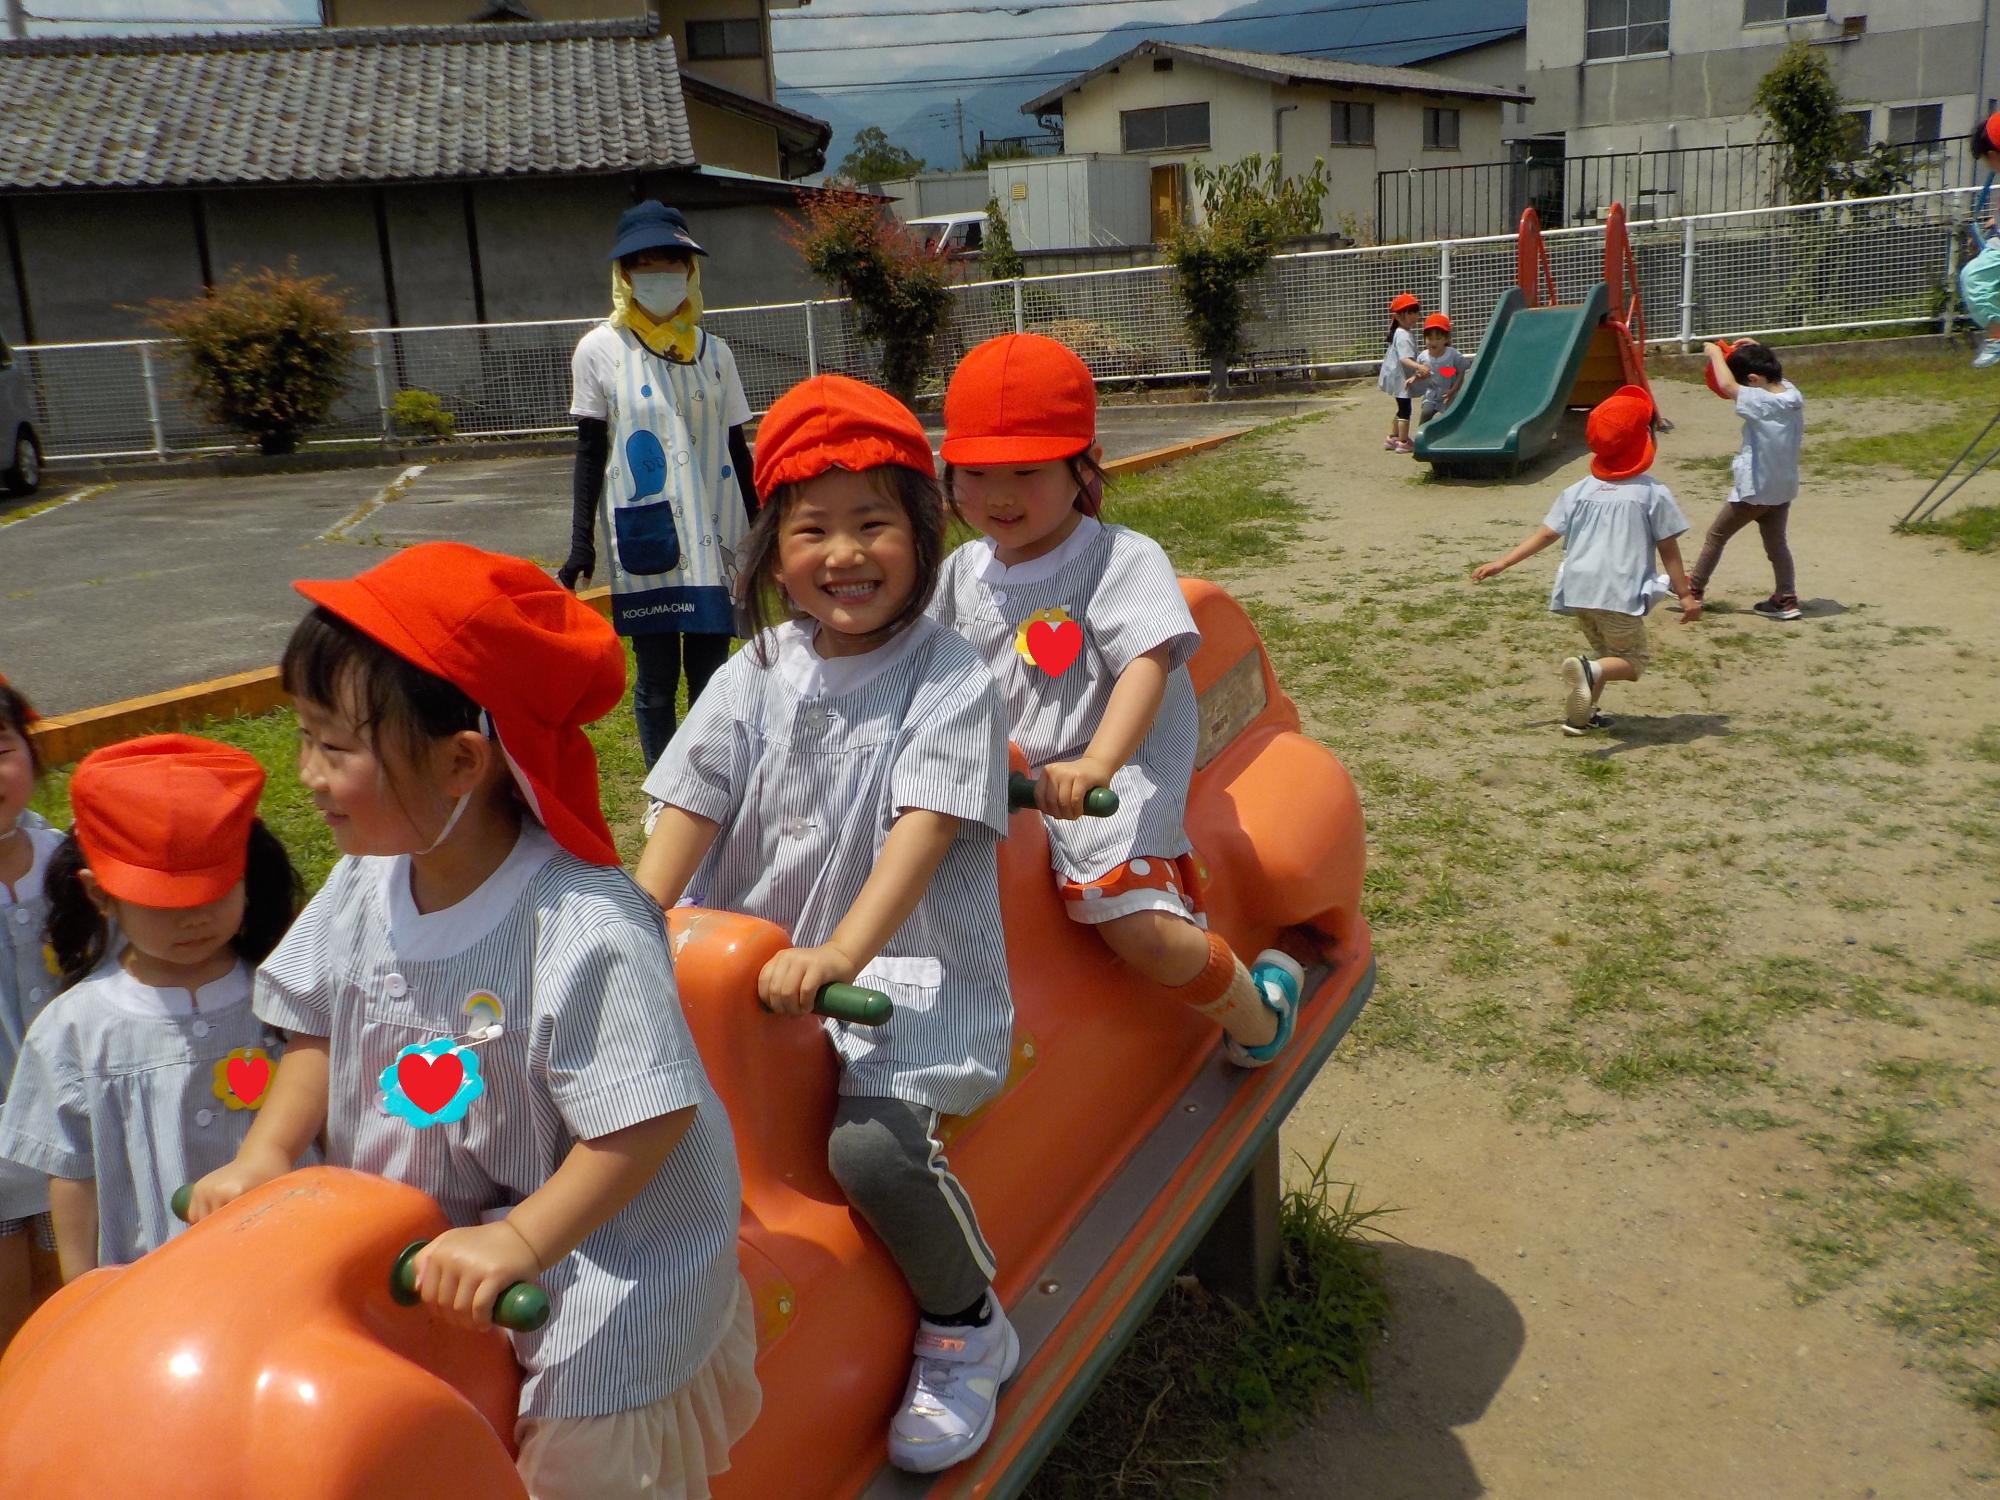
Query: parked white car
{"type": "Point", "coordinates": [952, 236]}
{"type": "Point", "coordinates": [20, 444]}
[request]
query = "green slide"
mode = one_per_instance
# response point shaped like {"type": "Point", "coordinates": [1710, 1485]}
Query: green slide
{"type": "Point", "coordinates": [1508, 410]}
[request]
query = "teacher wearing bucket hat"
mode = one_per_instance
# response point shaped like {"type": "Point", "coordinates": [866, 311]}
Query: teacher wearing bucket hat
{"type": "Point", "coordinates": [662, 467]}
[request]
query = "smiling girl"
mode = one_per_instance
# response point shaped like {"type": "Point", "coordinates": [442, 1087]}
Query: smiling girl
{"type": "Point", "coordinates": [844, 777]}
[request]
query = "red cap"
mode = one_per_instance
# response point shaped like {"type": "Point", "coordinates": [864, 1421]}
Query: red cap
{"type": "Point", "coordinates": [165, 820]}
{"type": "Point", "coordinates": [1708, 370]}
{"type": "Point", "coordinates": [1403, 301]}
{"type": "Point", "coordinates": [832, 422]}
{"type": "Point", "coordinates": [1020, 398]}
{"type": "Point", "coordinates": [518, 644]}
{"type": "Point", "coordinates": [1620, 434]}
{"type": "Point", "coordinates": [1993, 131]}
{"type": "Point", "coordinates": [28, 714]}
{"type": "Point", "coordinates": [1438, 321]}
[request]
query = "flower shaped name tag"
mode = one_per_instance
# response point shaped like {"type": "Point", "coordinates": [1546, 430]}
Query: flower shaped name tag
{"type": "Point", "coordinates": [432, 1083]}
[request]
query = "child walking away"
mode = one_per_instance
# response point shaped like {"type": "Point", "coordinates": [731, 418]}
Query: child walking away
{"type": "Point", "coordinates": [845, 777]}
{"type": "Point", "coordinates": [28, 981]}
{"type": "Point", "coordinates": [150, 1070]}
{"type": "Point", "coordinates": [1400, 366]}
{"type": "Point", "coordinates": [1979, 278]}
{"type": "Point", "coordinates": [1765, 474]}
{"type": "Point", "coordinates": [483, 1008]}
{"type": "Point", "coordinates": [1085, 628]}
{"type": "Point", "coordinates": [1443, 369]}
{"type": "Point", "coordinates": [1610, 525]}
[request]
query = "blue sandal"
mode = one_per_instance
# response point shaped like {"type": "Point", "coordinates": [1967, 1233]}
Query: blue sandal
{"type": "Point", "coordinates": [1281, 984]}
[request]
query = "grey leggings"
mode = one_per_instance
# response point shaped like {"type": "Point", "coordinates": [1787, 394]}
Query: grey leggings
{"type": "Point", "coordinates": [885, 1155]}
{"type": "Point", "coordinates": [1770, 521]}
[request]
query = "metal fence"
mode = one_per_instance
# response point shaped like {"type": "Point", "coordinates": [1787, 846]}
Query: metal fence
{"type": "Point", "coordinates": [1428, 203]}
{"type": "Point", "coordinates": [1865, 263]}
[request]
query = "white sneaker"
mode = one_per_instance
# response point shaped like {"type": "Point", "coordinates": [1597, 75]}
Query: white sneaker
{"type": "Point", "coordinates": [954, 1389]}
{"type": "Point", "coordinates": [1988, 355]}
{"type": "Point", "coordinates": [1582, 681]}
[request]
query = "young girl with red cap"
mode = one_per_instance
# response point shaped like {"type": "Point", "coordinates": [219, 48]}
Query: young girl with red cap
{"type": "Point", "coordinates": [1086, 630]}
{"type": "Point", "coordinates": [152, 1067]}
{"type": "Point", "coordinates": [1401, 365]}
{"type": "Point", "coordinates": [1611, 526]}
{"type": "Point", "coordinates": [845, 777]}
{"type": "Point", "coordinates": [483, 1007]}
{"type": "Point", "coordinates": [28, 981]}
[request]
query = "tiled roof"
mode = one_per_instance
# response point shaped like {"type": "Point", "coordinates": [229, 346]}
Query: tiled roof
{"type": "Point", "coordinates": [1283, 67]}
{"type": "Point", "coordinates": [390, 104]}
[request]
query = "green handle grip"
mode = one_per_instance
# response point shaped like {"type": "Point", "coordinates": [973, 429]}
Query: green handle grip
{"type": "Point", "coordinates": [183, 1196]}
{"type": "Point", "coordinates": [1098, 802]}
{"type": "Point", "coordinates": [523, 1307]}
{"type": "Point", "coordinates": [850, 1002]}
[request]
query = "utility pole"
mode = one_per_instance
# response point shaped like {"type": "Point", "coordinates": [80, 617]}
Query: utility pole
{"type": "Point", "coordinates": [957, 109]}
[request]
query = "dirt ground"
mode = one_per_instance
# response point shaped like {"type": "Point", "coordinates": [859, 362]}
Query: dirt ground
{"type": "Point", "coordinates": [1678, 1069]}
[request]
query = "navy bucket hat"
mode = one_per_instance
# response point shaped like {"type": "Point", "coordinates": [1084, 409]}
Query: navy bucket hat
{"type": "Point", "coordinates": [652, 226]}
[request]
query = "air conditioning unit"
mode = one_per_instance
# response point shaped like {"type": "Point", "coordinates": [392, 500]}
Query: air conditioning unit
{"type": "Point", "coordinates": [1852, 26]}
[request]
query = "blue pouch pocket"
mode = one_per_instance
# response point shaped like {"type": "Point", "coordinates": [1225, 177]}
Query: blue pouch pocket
{"type": "Point", "coordinates": [648, 541]}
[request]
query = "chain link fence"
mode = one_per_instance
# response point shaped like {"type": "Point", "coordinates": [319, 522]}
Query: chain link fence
{"type": "Point", "coordinates": [1860, 264]}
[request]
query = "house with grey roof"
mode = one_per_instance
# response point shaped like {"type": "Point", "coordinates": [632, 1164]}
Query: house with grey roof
{"type": "Point", "coordinates": [441, 174]}
{"type": "Point", "coordinates": [1177, 105]}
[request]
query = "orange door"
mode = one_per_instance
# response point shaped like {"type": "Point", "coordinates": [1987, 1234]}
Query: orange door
{"type": "Point", "coordinates": [1168, 184]}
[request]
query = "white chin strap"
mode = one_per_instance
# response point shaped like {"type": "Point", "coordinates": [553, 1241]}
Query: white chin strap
{"type": "Point", "coordinates": [458, 808]}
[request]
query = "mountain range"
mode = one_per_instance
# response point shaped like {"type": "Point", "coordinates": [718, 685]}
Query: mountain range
{"type": "Point", "coordinates": [926, 118]}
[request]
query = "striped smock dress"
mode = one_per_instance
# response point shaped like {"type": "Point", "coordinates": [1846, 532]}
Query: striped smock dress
{"type": "Point", "coordinates": [28, 982]}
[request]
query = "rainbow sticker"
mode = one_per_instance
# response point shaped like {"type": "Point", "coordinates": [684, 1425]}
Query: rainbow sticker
{"type": "Point", "coordinates": [483, 1009]}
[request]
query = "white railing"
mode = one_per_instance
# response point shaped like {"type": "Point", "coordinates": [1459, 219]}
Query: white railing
{"type": "Point", "coordinates": [1872, 263]}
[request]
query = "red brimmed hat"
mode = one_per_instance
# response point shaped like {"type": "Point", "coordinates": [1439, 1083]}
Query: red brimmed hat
{"type": "Point", "coordinates": [1020, 398]}
{"type": "Point", "coordinates": [832, 422]}
{"type": "Point", "coordinates": [28, 714]}
{"type": "Point", "coordinates": [518, 644]}
{"type": "Point", "coordinates": [1708, 370]}
{"type": "Point", "coordinates": [1620, 434]}
{"type": "Point", "coordinates": [1403, 301]}
{"type": "Point", "coordinates": [165, 820]}
{"type": "Point", "coordinates": [1438, 321]}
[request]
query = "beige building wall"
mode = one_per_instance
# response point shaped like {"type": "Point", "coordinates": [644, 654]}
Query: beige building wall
{"type": "Point", "coordinates": [723, 139]}
{"type": "Point", "coordinates": [1243, 120]}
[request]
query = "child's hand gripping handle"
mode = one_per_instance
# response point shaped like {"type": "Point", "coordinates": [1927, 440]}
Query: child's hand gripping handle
{"type": "Point", "coordinates": [850, 1002]}
{"type": "Point", "coordinates": [523, 1307]}
{"type": "Point", "coordinates": [1098, 802]}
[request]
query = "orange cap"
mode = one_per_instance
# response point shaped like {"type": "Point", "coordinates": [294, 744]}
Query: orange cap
{"type": "Point", "coordinates": [165, 820]}
{"type": "Point", "coordinates": [1438, 321]}
{"type": "Point", "coordinates": [1708, 370]}
{"type": "Point", "coordinates": [1020, 398]}
{"type": "Point", "coordinates": [1403, 301]}
{"type": "Point", "coordinates": [518, 644]}
{"type": "Point", "coordinates": [1992, 128]}
{"type": "Point", "coordinates": [1620, 434]}
{"type": "Point", "coordinates": [832, 422]}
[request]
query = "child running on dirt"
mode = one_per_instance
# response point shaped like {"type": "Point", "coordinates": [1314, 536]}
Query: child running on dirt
{"type": "Point", "coordinates": [1442, 370]}
{"type": "Point", "coordinates": [1085, 628]}
{"type": "Point", "coordinates": [1610, 525]}
{"type": "Point", "coordinates": [1765, 474]}
{"type": "Point", "coordinates": [1400, 366]}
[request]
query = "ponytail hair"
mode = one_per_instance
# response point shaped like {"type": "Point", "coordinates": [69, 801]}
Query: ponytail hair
{"type": "Point", "coordinates": [80, 934]}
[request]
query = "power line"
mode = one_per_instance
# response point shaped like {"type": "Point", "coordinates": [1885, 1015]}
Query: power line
{"type": "Point", "coordinates": [1470, 38]}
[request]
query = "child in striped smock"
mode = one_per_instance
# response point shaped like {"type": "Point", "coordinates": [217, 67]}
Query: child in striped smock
{"type": "Point", "coordinates": [1085, 628]}
{"type": "Point", "coordinates": [844, 776]}
{"type": "Point", "coordinates": [483, 1008]}
{"type": "Point", "coordinates": [150, 1067]}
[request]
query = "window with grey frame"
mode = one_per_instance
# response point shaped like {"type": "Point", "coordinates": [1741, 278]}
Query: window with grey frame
{"type": "Point", "coordinates": [1353, 123]}
{"type": "Point", "coordinates": [710, 41]}
{"type": "Point", "coordinates": [1860, 130]}
{"type": "Point", "coordinates": [1624, 28]}
{"type": "Point", "coordinates": [1440, 130]}
{"type": "Point", "coordinates": [1757, 12]}
{"type": "Point", "coordinates": [1170, 127]}
{"type": "Point", "coordinates": [1915, 124]}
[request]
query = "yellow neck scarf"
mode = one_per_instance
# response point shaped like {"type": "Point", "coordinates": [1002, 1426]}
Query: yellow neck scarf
{"type": "Point", "coordinates": [672, 337]}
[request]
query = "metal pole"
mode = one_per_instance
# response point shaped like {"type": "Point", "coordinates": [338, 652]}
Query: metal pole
{"type": "Point", "coordinates": [1020, 322]}
{"type": "Point", "coordinates": [1687, 287]}
{"type": "Point", "coordinates": [812, 346]}
{"type": "Point", "coordinates": [1911, 513]}
{"type": "Point", "coordinates": [375, 340]}
{"type": "Point", "coordinates": [1444, 277]}
{"type": "Point", "coordinates": [152, 399]}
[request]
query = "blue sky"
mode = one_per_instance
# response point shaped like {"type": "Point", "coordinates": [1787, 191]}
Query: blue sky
{"type": "Point", "coordinates": [58, 17]}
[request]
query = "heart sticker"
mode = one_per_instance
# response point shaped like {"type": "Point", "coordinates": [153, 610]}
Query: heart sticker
{"type": "Point", "coordinates": [1449, 371]}
{"type": "Point", "coordinates": [1052, 647]}
{"type": "Point", "coordinates": [248, 1078]}
{"type": "Point", "coordinates": [431, 1083]}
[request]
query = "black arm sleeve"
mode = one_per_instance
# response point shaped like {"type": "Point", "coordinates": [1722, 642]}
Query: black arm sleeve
{"type": "Point", "coordinates": [739, 460]}
{"type": "Point", "coordinates": [593, 450]}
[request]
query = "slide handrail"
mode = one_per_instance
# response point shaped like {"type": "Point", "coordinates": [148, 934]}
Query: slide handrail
{"type": "Point", "coordinates": [1621, 274]}
{"type": "Point", "coordinates": [1537, 279]}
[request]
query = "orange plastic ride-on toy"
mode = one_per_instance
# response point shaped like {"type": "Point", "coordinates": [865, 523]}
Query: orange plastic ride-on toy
{"type": "Point", "coordinates": [263, 1353]}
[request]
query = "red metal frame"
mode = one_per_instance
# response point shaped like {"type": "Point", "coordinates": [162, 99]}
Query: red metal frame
{"type": "Point", "coordinates": [1531, 263]}
{"type": "Point", "coordinates": [1621, 274]}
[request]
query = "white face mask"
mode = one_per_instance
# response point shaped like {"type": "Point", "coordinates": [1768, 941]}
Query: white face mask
{"type": "Point", "coordinates": [659, 292]}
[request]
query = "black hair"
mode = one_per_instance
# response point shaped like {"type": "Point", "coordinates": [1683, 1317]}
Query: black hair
{"type": "Point", "coordinates": [1981, 141]}
{"type": "Point", "coordinates": [329, 661]}
{"type": "Point", "coordinates": [16, 713]}
{"type": "Point", "coordinates": [1086, 471]}
{"type": "Point", "coordinates": [759, 605]}
{"type": "Point", "coordinates": [80, 934]}
{"type": "Point", "coordinates": [625, 261]}
{"type": "Point", "coordinates": [1754, 359]}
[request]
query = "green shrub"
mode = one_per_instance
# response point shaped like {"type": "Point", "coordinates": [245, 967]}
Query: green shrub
{"type": "Point", "coordinates": [998, 257]}
{"type": "Point", "coordinates": [267, 354]}
{"type": "Point", "coordinates": [421, 414]}
{"type": "Point", "coordinates": [901, 295]}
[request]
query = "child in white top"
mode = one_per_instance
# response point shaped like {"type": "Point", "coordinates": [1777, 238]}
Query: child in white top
{"type": "Point", "coordinates": [1765, 474]}
{"type": "Point", "coordinates": [1442, 367]}
{"type": "Point", "coordinates": [1610, 525]}
{"type": "Point", "coordinates": [1400, 366]}
{"type": "Point", "coordinates": [484, 1008]}
{"type": "Point", "coordinates": [844, 776]}
{"type": "Point", "coordinates": [149, 1068]}
{"type": "Point", "coordinates": [1085, 627]}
